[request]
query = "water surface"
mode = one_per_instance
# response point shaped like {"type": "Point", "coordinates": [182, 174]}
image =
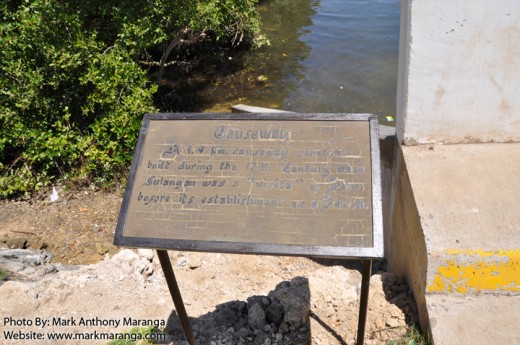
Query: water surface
{"type": "Point", "coordinates": [324, 56]}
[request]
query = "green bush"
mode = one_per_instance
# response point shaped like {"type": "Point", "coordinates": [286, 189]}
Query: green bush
{"type": "Point", "coordinates": [72, 90]}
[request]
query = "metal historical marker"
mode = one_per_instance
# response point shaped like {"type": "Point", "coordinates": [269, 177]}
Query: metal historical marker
{"type": "Point", "coordinates": [279, 184]}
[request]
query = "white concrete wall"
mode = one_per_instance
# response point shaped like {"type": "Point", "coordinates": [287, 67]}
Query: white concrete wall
{"type": "Point", "coordinates": [459, 71]}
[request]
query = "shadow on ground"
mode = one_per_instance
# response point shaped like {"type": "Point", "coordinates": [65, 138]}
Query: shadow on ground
{"type": "Point", "coordinates": [281, 317]}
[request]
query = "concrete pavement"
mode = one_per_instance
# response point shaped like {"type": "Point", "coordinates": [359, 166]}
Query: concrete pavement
{"type": "Point", "coordinates": [456, 237]}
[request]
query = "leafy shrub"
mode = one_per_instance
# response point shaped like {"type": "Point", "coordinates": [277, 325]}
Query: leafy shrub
{"type": "Point", "coordinates": [72, 91]}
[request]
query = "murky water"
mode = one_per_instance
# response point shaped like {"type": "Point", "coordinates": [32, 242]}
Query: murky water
{"type": "Point", "coordinates": [325, 56]}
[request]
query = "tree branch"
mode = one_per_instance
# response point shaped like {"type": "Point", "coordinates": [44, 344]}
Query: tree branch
{"type": "Point", "coordinates": [175, 42]}
{"type": "Point", "coordinates": [185, 36]}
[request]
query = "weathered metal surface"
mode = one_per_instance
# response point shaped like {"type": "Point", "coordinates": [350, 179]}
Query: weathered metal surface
{"type": "Point", "coordinates": [288, 184]}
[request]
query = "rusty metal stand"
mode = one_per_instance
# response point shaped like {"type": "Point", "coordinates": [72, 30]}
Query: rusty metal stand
{"type": "Point", "coordinates": [176, 295]}
{"type": "Point", "coordinates": [363, 302]}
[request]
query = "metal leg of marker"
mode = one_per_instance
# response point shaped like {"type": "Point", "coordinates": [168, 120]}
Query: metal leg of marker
{"type": "Point", "coordinates": [176, 294]}
{"type": "Point", "coordinates": [363, 302]}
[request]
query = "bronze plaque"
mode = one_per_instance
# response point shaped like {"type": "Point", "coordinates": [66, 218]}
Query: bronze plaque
{"type": "Point", "coordinates": [257, 183]}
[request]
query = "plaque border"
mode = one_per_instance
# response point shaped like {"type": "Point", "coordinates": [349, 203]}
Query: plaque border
{"type": "Point", "coordinates": [376, 251]}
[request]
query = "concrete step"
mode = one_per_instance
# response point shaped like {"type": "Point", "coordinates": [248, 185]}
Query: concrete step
{"type": "Point", "coordinates": [468, 199]}
{"type": "Point", "coordinates": [456, 236]}
{"type": "Point", "coordinates": [474, 319]}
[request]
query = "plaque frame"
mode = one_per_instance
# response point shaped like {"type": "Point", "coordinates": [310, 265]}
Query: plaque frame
{"type": "Point", "coordinates": [374, 252]}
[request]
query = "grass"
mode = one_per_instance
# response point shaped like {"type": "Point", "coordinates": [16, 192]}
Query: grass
{"type": "Point", "coordinates": [3, 274]}
{"type": "Point", "coordinates": [138, 336]}
{"type": "Point", "coordinates": [412, 337]}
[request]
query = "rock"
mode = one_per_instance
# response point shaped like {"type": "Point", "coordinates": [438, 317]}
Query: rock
{"type": "Point", "coordinates": [101, 249]}
{"type": "Point", "coordinates": [125, 256]}
{"type": "Point", "coordinates": [251, 301]}
{"type": "Point", "coordinates": [256, 317]}
{"type": "Point", "coordinates": [240, 323]}
{"type": "Point", "coordinates": [181, 262]}
{"type": "Point", "coordinates": [295, 299]}
{"type": "Point", "coordinates": [278, 337]}
{"type": "Point", "coordinates": [27, 271]}
{"type": "Point", "coordinates": [284, 328]}
{"type": "Point", "coordinates": [39, 258]}
{"type": "Point", "coordinates": [273, 328]}
{"type": "Point", "coordinates": [275, 313]}
{"type": "Point", "coordinates": [27, 263]}
{"type": "Point", "coordinates": [241, 305]}
{"type": "Point", "coordinates": [131, 264]}
{"type": "Point", "coordinates": [262, 338]}
{"type": "Point", "coordinates": [14, 266]}
{"type": "Point", "coordinates": [243, 333]}
{"type": "Point", "coordinates": [146, 253]}
{"type": "Point", "coordinates": [24, 256]}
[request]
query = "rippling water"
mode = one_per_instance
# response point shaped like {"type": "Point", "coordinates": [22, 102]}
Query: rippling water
{"type": "Point", "coordinates": [325, 56]}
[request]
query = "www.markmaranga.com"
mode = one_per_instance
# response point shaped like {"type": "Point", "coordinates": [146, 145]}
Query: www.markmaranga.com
{"type": "Point", "coordinates": [94, 335]}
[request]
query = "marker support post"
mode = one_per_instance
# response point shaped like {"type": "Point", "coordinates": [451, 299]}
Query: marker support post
{"type": "Point", "coordinates": [176, 295]}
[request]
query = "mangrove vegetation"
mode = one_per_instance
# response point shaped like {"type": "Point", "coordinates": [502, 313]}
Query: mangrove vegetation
{"type": "Point", "coordinates": [77, 76]}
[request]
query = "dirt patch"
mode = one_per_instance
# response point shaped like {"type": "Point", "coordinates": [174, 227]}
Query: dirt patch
{"type": "Point", "coordinates": [76, 229]}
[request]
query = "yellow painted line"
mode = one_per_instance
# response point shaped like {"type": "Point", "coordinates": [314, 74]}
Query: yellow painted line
{"type": "Point", "coordinates": [478, 270]}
